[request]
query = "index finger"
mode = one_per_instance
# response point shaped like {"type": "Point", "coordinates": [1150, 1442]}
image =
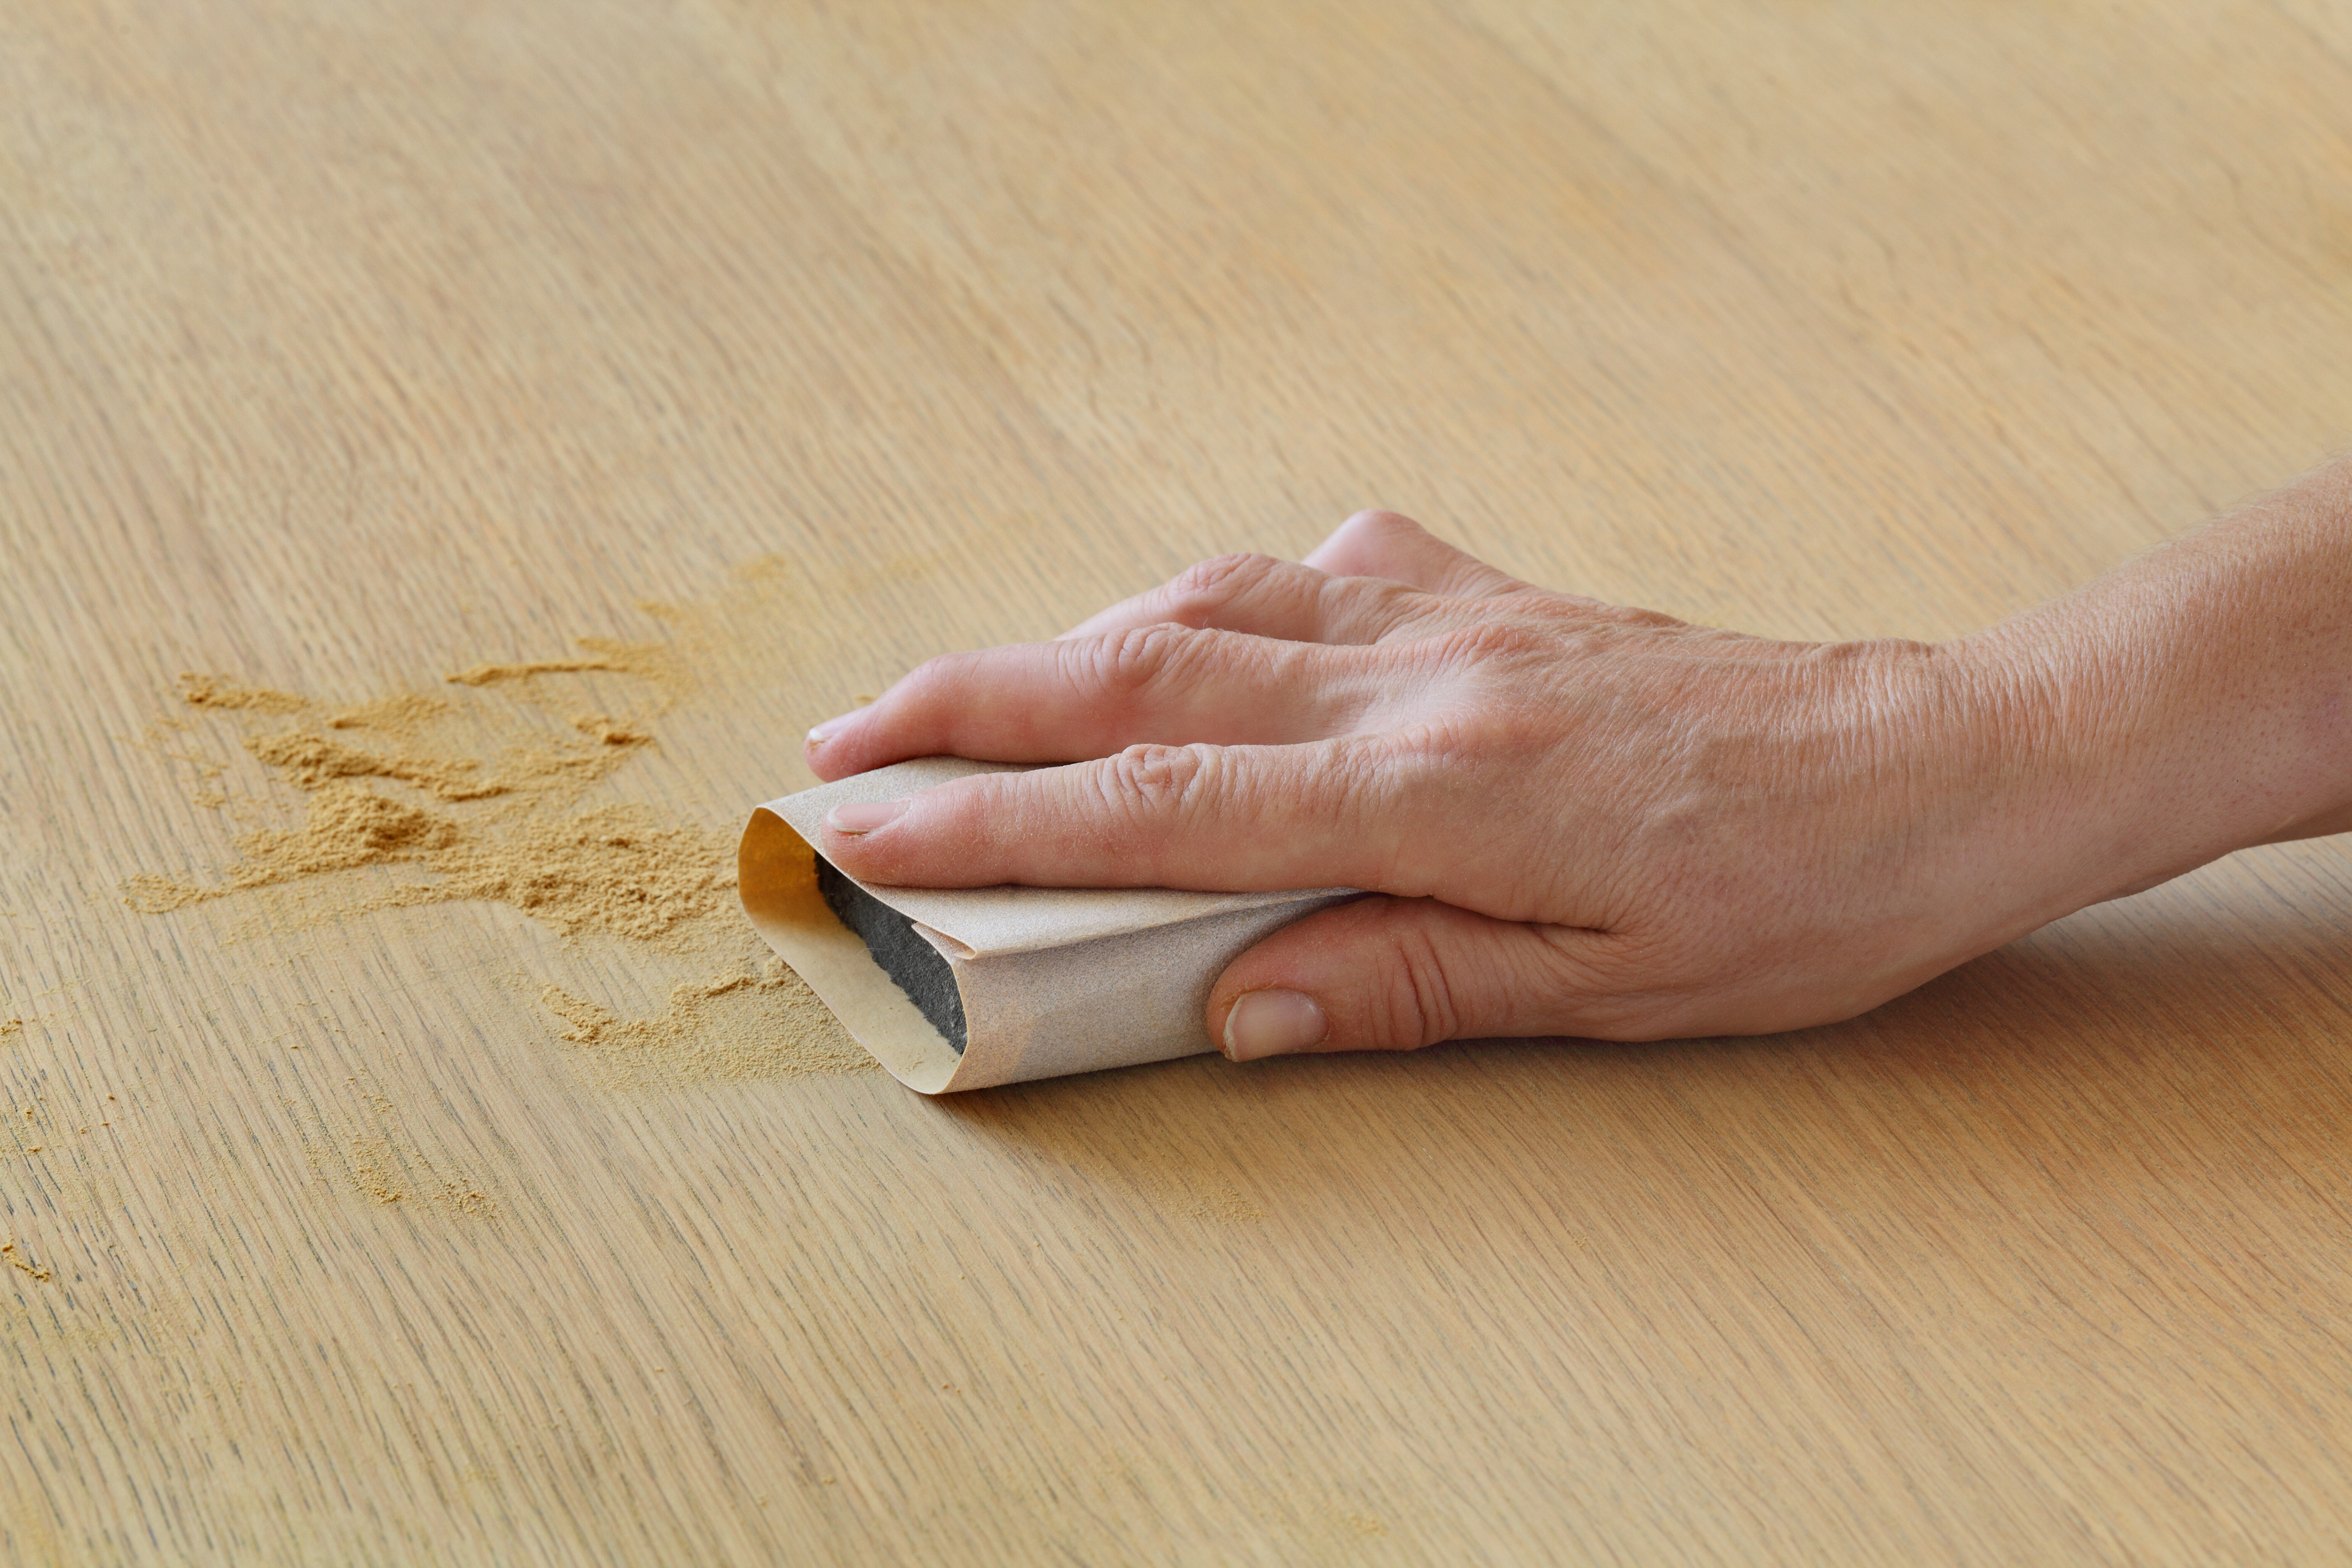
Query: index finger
{"type": "Point", "coordinates": [1212, 818]}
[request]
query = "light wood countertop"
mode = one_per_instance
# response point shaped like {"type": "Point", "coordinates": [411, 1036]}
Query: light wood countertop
{"type": "Point", "coordinates": [343, 347]}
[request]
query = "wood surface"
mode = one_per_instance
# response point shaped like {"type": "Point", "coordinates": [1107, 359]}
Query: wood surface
{"type": "Point", "coordinates": [346, 345]}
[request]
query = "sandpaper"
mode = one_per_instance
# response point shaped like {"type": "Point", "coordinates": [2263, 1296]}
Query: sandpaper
{"type": "Point", "coordinates": [1046, 981]}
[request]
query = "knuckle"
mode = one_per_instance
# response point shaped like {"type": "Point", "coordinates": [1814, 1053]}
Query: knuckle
{"type": "Point", "coordinates": [1124, 663]}
{"type": "Point", "coordinates": [1156, 780]}
{"type": "Point", "coordinates": [1487, 641]}
{"type": "Point", "coordinates": [1207, 586]}
{"type": "Point", "coordinates": [934, 679]}
{"type": "Point", "coordinates": [1416, 1006]}
{"type": "Point", "coordinates": [1377, 523]}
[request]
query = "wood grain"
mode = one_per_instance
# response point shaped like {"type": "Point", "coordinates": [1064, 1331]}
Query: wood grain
{"type": "Point", "coordinates": [345, 346]}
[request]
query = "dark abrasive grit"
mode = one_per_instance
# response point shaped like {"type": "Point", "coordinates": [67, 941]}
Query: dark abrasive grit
{"type": "Point", "coordinates": [918, 967]}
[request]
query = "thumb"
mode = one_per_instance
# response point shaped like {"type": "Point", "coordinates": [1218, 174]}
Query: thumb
{"type": "Point", "coordinates": [1395, 974]}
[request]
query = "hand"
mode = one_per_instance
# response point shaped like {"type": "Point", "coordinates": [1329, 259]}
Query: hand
{"type": "Point", "coordinates": [1579, 819]}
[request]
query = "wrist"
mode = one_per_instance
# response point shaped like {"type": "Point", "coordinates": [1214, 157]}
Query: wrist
{"type": "Point", "coordinates": [2191, 703]}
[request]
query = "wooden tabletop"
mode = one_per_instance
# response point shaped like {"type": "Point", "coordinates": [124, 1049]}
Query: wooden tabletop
{"type": "Point", "coordinates": [773, 347]}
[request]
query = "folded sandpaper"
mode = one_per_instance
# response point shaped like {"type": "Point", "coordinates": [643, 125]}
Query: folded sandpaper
{"type": "Point", "coordinates": [956, 988]}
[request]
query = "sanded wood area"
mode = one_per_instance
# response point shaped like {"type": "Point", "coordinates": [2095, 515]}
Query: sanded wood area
{"type": "Point", "coordinates": [347, 346]}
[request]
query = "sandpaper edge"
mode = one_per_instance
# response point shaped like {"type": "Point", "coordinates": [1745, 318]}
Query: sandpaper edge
{"type": "Point", "coordinates": [776, 880]}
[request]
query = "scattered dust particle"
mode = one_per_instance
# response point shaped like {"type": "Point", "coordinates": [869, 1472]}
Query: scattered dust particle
{"type": "Point", "coordinates": [11, 1027]}
{"type": "Point", "coordinates": [624, 658]}
{"type": "Point", "coordinates": [741, 1026]}
{"type": "Point", "coordinates": [374, 1166]}
{"type": "Point", "coordinates": [383, 1166]}
{"type": "Point", "coordinates": [611, 732]}
{"type": "Point", "coordinates": [312, 762]}
{"type": "Point", "coordinates": [219, 691]}
{"type": "Point", "coordinates": [1218, 1201]}
{"type": "Point", "coordinates": [1363, 1524]}
{"type": "Point", "coordinates": [17, 1260]}
{"type": "Point", "coordinates": [402, 714]}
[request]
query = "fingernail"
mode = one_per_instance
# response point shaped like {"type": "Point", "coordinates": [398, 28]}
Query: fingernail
{"type": "Point", "coordinates": [825, 732]}
{"type": "Point", "coordinates": [1274, 1024]}
{"type": "Point", "coordinates": [864, 815]}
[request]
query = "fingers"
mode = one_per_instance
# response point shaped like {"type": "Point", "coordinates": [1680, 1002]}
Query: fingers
{"type": "Point", "coordinates": [1389, 544]}
{"type": "Point", "coordinates": [1270, 598]}
{"type": "Point", "coordinates": [1395, 974]}
{"type": "Point", "coordinates": [1088, 697]}
{"type": "Point", "coordinates": [1220, 818]}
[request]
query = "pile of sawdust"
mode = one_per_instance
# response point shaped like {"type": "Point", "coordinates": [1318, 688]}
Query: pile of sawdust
{"type": "Point", "coordinates": [346, 827]}
{"type": "Point", "coordinates": [608, 870]}
{"type": "Point", "coordinates": [311, 762]}
{"type": "Point", "coordinates": [768, 1025]}
{"type": "Point", "coordinates": [514, 831]}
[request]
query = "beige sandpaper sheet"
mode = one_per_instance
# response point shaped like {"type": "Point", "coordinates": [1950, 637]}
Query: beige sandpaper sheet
{"type": "Point", "coordinates": [1054, 980]}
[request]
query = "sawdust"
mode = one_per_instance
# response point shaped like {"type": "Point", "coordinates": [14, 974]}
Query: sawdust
{"type": "Point", "coordinates": [219, 691]}
{"type": "Point", "coordinates": [402, 715]}
{"type": "Point", "coordinates": [653, 661]}
{"type": "Point", "coordinates": [10, 1028]}
{"type": "Point", "coordinates": [611, 732]}
{"type": "Point", "coordinates": [312, 762]}
{"type": "Point", "coordinates": [479, 794]}
{"type": "Point", "coordinates": [377, 1161]}
{"type": "Point", "coordinates": [1210, 1199]}
{"type": "Point", "coordinates": [609, 870]}
{"type": "Point", "coordinates": [346, 827]}
{"type": "Point", "coordinates": [17, 1260]}
{"type": "Point", "coordinates": [741, 1026]}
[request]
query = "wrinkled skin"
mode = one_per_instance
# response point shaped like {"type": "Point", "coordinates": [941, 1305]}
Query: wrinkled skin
{"type": "Point", "coordinates": [1575, 818]}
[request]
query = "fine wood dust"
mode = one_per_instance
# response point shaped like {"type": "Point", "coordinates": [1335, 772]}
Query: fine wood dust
{"type": "Point", "coordinates": [219, 691]}
{"type": "Point", "coordinates": [748, 1025]}
{"type": "Point", "coordinates": [481, 792]}
{"type": "Point", "coordinates": [1209, 1200]}
{"type": "Point", "coordinates": [653, 661]}
{"type": "Point", "coordinates": [400, 715]}
{"type": "Point", "coordinates": [375, 1158]}
{"type": "Point", "coordinates": [311, 762]}
{"type": "Point", "coordinates": [607, 870]}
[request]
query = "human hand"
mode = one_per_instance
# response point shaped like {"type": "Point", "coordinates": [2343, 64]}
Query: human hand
{"type": "Point", "coordinates": [1582, 819]}
{"type": "Point", "coordinates": [1576, 818]}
